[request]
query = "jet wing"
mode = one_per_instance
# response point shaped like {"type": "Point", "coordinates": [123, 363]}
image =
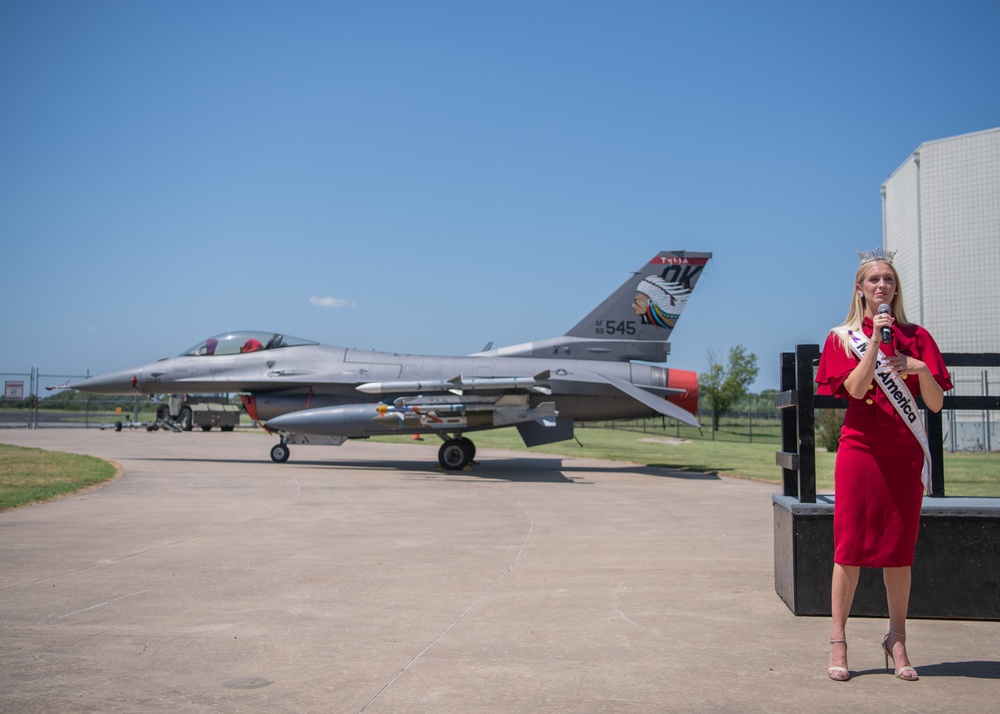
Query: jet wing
{"type": "Point", "coordinates": [658, 404]}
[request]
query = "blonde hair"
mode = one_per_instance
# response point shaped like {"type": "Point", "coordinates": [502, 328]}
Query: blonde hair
{"type": "Point", "coordinates": [856, 314]}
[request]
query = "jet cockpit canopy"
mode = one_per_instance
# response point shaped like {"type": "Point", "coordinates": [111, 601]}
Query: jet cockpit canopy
{"type": "Point", "coordinates": [231, 343]}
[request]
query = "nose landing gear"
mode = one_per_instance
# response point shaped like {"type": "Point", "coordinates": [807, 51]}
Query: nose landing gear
{"type": "Point", "coordinates": [279, 453]}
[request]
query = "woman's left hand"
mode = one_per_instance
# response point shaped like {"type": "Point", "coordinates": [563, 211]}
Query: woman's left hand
{"type": "Point", "coordinates": [930, 390]}
{"type": "Point", "coordinates": [901, 364]}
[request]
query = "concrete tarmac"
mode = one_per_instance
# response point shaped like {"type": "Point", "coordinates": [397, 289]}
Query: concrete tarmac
{"type": "Point", "coordinates": [362, 578]}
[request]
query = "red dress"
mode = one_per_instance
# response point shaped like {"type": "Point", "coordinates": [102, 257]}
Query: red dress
{"type": "Point", "coordinates": [878, 493]}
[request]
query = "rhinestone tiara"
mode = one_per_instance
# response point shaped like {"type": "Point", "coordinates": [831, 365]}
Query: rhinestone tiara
{"type": "Point", "coordinates": [879, 254]}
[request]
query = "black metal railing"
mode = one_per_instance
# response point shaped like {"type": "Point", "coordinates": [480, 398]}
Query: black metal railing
{"type": "Point", "coordinates": [798, 402]}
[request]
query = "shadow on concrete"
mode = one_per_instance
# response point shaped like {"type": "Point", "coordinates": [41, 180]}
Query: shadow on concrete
{"type": "Point", "coordinates": [975, 669]}
{"type": "Point", "coordinates": [544, 469]}
{"type": "Point", "coordinates": [700, 473]}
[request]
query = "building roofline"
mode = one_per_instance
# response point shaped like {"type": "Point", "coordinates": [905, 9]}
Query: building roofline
{"type": "Point", "coordinates": [935, 141]}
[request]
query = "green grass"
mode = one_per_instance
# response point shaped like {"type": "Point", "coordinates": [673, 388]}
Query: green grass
{"type": "Point", "coordinates": [965, 474]}
{"type": "Point", "coordinates": [34, 475]}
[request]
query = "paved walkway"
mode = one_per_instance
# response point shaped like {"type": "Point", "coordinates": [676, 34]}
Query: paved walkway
{"type": "Point", "coordinates": [363, 579]}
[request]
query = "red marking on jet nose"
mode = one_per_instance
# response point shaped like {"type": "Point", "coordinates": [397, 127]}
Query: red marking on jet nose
{"type": "Point", "coordinates": [135, 382]}
{"type": "Point", "coordinates": [250, 404]}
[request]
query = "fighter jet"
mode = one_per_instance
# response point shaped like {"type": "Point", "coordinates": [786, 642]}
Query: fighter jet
{"type": "Point", "coordinates": [308, 393]}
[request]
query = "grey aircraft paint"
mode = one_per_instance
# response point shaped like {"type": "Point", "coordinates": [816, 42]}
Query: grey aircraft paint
{"type": "Point", "coordinates": [306, 392]}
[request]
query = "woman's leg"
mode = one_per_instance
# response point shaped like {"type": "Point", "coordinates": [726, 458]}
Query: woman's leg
{"type": "Point", "coordinates": [845, 582]}
{"type": "Point", "coordinates": [897, 591]}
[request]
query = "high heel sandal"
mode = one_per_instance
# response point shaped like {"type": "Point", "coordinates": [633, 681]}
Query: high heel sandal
{"type": "Point", "coordinates": [837, 673]}
{"type": "Point", "coordinates": [906, 672]}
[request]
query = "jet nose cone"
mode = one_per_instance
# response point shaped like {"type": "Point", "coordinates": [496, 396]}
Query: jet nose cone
{"type": "Point", "coordinates": [121, 382]}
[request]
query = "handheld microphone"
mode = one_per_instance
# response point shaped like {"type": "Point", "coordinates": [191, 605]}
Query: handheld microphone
{"type": "Point", "coordinates": [883, 309]}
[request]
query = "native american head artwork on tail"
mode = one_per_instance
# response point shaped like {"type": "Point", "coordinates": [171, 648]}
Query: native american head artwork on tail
{"type": "Point", "coordinates": [660, 302]}
{"type": "Point", "coordinates": [636, 320]}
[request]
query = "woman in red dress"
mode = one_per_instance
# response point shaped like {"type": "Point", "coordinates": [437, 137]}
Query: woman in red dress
{"type": "Point", "coordinates": [877, 477]}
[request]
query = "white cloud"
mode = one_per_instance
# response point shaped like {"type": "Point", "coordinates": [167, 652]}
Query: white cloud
{"type": "Point", "coordinates": [331, 302]}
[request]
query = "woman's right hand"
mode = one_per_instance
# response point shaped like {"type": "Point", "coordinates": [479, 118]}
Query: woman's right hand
{"type": "Point", "coordinates": [881, 320]}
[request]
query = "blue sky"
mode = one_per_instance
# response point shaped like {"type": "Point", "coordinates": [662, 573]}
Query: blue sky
{"type": "Point", "coordinates": [429, 177]}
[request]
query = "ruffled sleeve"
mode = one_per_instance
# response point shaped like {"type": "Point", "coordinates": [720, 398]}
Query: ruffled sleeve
{"type": "Point", "coordinates": [915, 341]}
{"type": "Point", "coordinates": [835, 364]}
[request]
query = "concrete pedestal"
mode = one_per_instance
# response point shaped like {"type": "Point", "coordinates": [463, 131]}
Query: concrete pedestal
{"type": "Point", "coordinates": [956, 570]}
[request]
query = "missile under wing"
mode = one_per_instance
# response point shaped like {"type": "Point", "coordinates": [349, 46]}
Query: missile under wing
{"type": "Point", "coordinates": [306, 392]}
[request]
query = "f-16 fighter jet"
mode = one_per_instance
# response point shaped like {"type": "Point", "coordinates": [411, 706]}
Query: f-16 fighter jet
{"type": "Point", "coordinates": [309, 393]}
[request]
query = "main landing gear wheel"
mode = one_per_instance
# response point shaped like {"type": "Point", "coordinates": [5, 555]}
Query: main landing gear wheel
{"type": "Point", "coordinates": [471, 447]}
{"type": "Point", "coordinates": [279, 454]}
{"type": "Point", "coordinates": [456, 454]}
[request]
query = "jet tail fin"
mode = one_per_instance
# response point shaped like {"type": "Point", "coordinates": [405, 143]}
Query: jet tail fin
{"type": "Point", "coordinates": [635, 321]}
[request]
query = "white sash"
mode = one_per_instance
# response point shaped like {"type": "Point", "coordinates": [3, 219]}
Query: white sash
{"type": "Point", "coordinates": [899, 396]}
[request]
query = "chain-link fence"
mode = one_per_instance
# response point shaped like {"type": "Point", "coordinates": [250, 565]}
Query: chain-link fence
{"type": "Point", "coordinates": [733, 426]}
{"type": "Point", "coordinates": [973, 430]}
{"type": "Point", "coordinates": [35, 399]}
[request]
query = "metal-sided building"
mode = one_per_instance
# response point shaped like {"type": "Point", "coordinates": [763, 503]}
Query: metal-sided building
{"type": "Point", "coordinates": [941, 211]}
